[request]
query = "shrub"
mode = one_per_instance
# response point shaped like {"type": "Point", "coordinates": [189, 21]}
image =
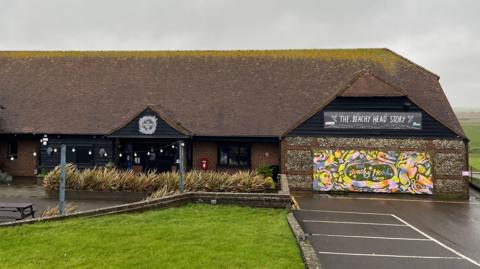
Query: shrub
{"type": "Point", "coordinates": [270, 183]}
{"type": "Point", "coordinates": [265, 170]}
{"type": "Point", "coordinates": [42, 171]}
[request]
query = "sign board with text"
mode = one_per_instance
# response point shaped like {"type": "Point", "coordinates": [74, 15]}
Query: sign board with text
{"type": "Point", "coordinates": [372, 120]}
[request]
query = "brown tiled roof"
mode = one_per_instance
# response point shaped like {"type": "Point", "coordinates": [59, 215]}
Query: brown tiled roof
{"type": "Point", "coordinates": [208, 93]}
{"type": "Point", "coordinates": [368, 85]}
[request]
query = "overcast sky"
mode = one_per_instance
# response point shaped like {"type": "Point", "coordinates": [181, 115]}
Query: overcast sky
{"type": "Point", "coordinates": [442, 36]}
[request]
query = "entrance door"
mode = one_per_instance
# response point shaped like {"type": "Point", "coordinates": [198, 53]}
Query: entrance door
{"type": "Point", "coordinates": [145, 155]}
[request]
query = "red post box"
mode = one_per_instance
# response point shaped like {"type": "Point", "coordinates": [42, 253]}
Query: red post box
{"type": "Point", "coordinates": [204, 164]}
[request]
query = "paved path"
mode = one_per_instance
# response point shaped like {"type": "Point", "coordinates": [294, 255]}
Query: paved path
{"type": "Point", "coordinates": [26, 191]}
{"type": "Point", "coordinates": [375, 231]}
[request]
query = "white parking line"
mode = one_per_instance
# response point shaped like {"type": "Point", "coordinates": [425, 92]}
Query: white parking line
{"type": "Point", "coordinates": [355, 223]}
{"type": "Point", "coordinates": [436, 241]}
{"type": "Point", "coordinates": [404, 224]}
{"type": "Point", "coordinates": [345, 212]}
{"type": "Point", "coordinates": [405, 200]}
{"type": "Point", "coordinates": [388, 255]}
{"type": "Point", "coordinates": [373, 237]}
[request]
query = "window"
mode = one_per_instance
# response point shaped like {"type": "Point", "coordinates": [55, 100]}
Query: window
{"type": "Point", "coordinates": [12, 149]}
{"type": "Point", "coordinates": [234, 154]}
{"type": "Point", "coordinates": [83, 155]}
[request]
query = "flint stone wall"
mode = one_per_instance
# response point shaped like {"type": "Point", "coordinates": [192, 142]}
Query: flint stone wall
{"type": "Point", "coordinates": [448, 158]}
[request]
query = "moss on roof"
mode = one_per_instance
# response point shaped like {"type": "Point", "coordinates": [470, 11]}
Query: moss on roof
{"type": "Point", "coordinates": [385, 57]}
{"type": "Point", "coordinates": [316, 53]}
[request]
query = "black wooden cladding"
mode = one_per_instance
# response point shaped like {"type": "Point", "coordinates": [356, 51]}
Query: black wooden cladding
{"type": "Point", "coordinates": [51, 160]}
{"type": "Point", "coordinates": [314, 126]}
{"type": "Point", "coordinates": [163, 130]}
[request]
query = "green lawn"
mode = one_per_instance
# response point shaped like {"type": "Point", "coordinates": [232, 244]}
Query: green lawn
{"type": "Point", "coordinates": [475, 161]}
{"type": "Point", "coordinates": [472, 129]}
{"type": "Point", "coordinates": [192, 236]}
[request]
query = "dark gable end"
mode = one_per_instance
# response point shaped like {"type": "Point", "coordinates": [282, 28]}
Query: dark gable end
{"type": "Point", "coordinates": [314, 126]}
{"type": "Point", "coordinates": [367, 92]}
{"type": "Point", "coordinates": [149, 124]}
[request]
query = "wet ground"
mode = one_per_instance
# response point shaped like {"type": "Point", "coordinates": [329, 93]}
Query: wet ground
{"type": "Point", "coordinates": [388, 231]}
{"type": "Point", "coordinates": [25, 190]}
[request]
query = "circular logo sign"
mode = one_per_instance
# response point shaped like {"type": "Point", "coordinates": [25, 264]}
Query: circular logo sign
{"type": "Point", "coordinates": [147, 124]}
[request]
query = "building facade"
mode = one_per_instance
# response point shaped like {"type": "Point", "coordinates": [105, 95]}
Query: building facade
{"type": "Point", "coordinates": [364, 120]}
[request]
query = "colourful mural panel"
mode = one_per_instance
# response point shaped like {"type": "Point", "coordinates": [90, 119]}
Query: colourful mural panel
{"type": "Point", "coordinates": [372, 171]}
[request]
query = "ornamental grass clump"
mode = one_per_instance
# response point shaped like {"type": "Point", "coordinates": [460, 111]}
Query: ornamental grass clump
{"type": "Point", "coordinates": [157, 184]}
{"type": "Point", "coordinates": [161, 193]}
{"type": "Point", "coordinates": [55, 211]}
{"type": "Point", "coordinates": [197, 180]}
{"type": "Point", "coordinates": [248, 181]}
{"type": "Point", "coordinates": [52, 179]}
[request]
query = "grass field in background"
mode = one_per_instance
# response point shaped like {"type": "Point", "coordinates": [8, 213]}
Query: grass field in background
{"type": "Point", "coordinates": [472, 130]}
{"type": "Point", "coordinates": [475, 161]}
{"type": "Point", "coordinates": [192, 236]}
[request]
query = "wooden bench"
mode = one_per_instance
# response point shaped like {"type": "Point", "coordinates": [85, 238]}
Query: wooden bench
{"type": "Point", "coordinates": [25, 209]}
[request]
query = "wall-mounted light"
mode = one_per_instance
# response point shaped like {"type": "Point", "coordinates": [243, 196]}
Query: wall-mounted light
{"type": "Point", "coordinates": [12, 158]}
{"type": "Point", "coordinates": [120, 155]}
{"type": "Point", "coordinates": [55, 150]}
{"type": "Point", "coordinates": [173, 146]}
{"type": "Point", "coordinates": [73, 149]}
{"type": "Point", "coordinates": [102, 152]}
{"type": "Point", "coordinates": [161, 150]}
{"type": "Point", "coordinates": [34, 154]}
{"type": "Point", "coordinates": [148, 153]}
{"type": "Point", "coordinates": [135, 154]}
{"type": "Point", "coordinates": [44, 140]}
{"type": "Point", "coordinates": [89, 152]}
